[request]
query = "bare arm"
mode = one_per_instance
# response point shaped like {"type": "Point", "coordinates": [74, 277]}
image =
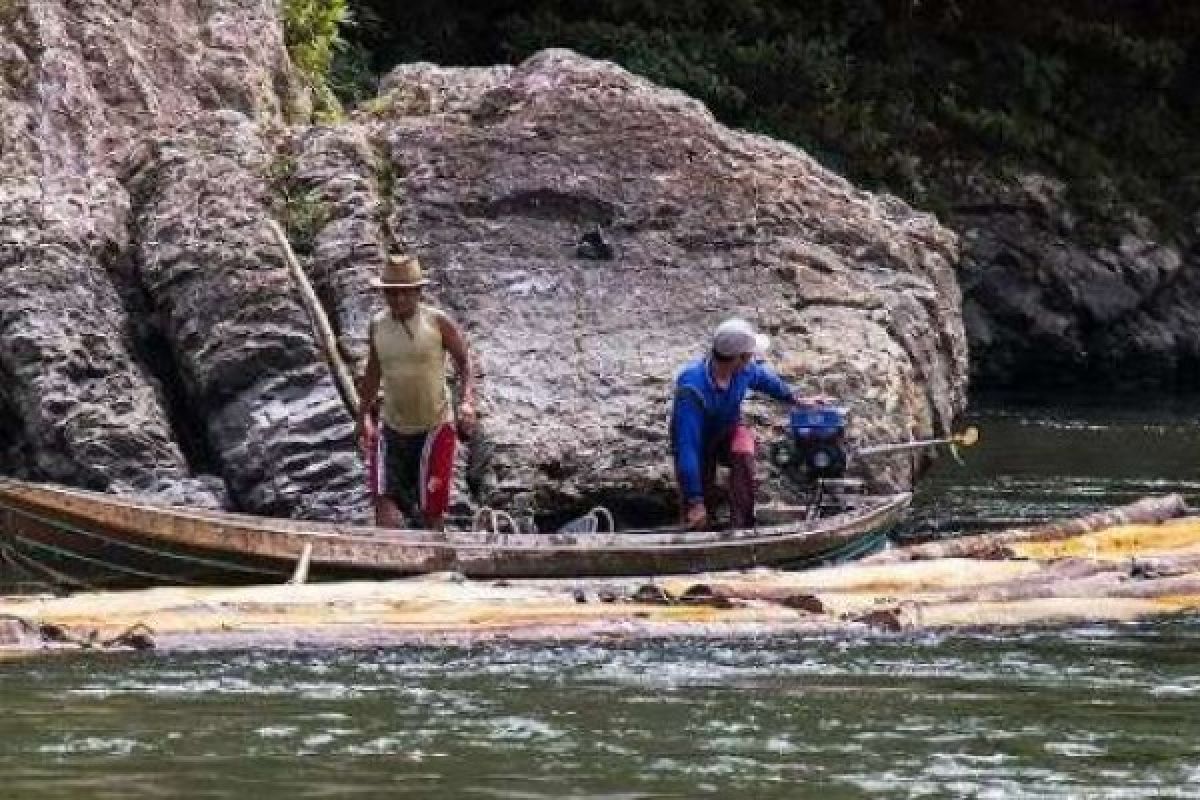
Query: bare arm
{"type": "Point", "coordinates": [368, 386]}
{"type": "Point", "coordinates": [456, 345]}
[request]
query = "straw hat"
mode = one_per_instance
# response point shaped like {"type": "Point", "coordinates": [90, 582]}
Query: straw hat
{"type": "Point", "coordinates": [401, 272]}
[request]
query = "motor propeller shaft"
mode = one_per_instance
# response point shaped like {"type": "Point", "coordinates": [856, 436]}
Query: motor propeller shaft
{"type": "Point", "coordinates": [967, 438]}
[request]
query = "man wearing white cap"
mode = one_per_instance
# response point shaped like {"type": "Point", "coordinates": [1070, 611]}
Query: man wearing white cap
{"type": "Point", "coordinates": [706, 422]}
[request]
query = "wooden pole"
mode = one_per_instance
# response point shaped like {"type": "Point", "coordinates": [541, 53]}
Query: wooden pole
{"type": "Point", "coordinates": [320, 322]}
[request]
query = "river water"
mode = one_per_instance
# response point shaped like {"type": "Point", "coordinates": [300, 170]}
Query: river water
{"type": "Point", "coordinates": [1105, 711]}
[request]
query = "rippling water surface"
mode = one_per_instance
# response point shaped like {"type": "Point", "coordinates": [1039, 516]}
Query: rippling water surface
{"type": "Point", "coordinates": [1100, 711]}
{"type": "Point", "coordinates": [1038, 462]}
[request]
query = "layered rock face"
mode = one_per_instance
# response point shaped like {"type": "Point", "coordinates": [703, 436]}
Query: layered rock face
{"type": "Point", "coordinates": [152, 340]}
{"type": "Point", "coordinates": [1042, 306]}
{"type": "Point", "coordinates": [243, 345]}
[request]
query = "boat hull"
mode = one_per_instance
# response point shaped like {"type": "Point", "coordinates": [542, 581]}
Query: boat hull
{"type": "Point", "coordinates": [75, 539]}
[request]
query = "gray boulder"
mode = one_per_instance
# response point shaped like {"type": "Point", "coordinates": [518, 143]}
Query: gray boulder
{"type": "Point", "coordinates": [500, 174]}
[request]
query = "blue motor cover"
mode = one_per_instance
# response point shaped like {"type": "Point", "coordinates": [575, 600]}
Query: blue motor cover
{"type": "Point", "coordinates": [818, 422]}
{"type": "Point", "coordinates": [818, 435]}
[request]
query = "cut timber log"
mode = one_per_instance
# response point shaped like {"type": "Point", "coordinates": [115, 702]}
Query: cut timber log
{"type": "Point", "coordinates": [999, 545]}
{"type": "Point", "coordinates": [1040, 611]}
{"type": "Point", "coordinates": [1170, 539]}
{"type": "Point", "coordinates": [847, 590]}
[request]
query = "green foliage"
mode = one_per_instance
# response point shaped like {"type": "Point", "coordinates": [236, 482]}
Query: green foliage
{"type": "Point", "coordinates": [301, 210]}
{"type": "Point", "coordinates": [385, 185]}
{"type": "Point", "coordinates": [311, 33]}
{"type": "Point", "coordinates": [1102, 94]}
{"type": "Point", "coordinates": [351, 78]}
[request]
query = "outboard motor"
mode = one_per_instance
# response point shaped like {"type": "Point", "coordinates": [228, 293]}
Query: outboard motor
{"type": "Point", "coordinates": [816, 456]}
{"type": "Point", "coordinates": [816, 450]}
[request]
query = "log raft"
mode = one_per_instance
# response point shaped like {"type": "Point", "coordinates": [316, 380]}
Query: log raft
{"type": "Point", "coordinates": [1135, 562]}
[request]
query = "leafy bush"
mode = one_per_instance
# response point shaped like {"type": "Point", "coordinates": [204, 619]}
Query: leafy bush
{"type": "Point", "coordinates": [311, 34]}
{"type": "Point", "coordinates": [301, 210]}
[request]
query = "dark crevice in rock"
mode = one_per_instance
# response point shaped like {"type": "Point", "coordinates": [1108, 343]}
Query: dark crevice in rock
{"type": "Point", "coordinates": [151, 349]}
{"type": "Point", "coordinates": [154, 351]}
{"type": "Point", "coordinates": [11, 437]}
{"type": "Point", "coordinates": [866, 306]}
{"type": "Point", "coordinates": [546, 204]}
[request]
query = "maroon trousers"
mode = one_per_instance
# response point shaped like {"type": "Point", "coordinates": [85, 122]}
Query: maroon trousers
{"type": "Point", "coordinates": [735, 449]}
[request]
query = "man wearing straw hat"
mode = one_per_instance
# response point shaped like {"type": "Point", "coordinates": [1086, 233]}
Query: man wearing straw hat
{"type": "Point", "coordinates": [411, 446]}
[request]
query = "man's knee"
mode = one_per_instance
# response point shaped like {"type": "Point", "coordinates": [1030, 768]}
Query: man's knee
{"type": "Point", "coordinates": [741, 443]}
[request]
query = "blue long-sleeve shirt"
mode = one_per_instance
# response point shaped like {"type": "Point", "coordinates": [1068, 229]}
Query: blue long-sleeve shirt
{"type": "Point", "coordinates": [701, 412]}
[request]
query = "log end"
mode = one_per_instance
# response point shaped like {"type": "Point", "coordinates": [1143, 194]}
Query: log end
{"type": "Point", "coordinates": [884, 619]}
{"type": "Point", "coordinates": [804, 602]}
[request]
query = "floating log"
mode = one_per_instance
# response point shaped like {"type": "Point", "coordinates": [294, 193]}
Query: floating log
{"type": "Point", "coordinates": [852, 589]}
{"type": "Point", "coordinates": [998, 545]}
{"type": "Point", "coordinates": [1170, 539]}
{"type": "Point", "coordinates": [1042, 611]}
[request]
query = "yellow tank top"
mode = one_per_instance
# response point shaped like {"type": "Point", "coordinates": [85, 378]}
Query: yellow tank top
{"type": "Point", "coordinates": [412, 363]}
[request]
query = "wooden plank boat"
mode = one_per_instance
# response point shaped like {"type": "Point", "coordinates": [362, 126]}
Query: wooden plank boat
{"type": "Point", "coordinates": [77, 539]}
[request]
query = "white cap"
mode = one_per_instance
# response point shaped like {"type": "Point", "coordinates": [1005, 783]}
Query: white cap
{"type": "Point", "coordinates": [736, 336]}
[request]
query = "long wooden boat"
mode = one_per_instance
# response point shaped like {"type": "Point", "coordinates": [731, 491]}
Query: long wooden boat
{"type": "Point", "coordinates": [77, 539]}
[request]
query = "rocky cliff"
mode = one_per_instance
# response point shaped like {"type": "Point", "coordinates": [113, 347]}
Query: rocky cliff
{"type": "Point", "coordinates": [152, 340]}
{"type": "Point", "coordinates": [1044, 304]}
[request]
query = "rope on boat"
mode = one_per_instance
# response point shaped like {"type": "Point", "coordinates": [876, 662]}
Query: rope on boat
{"type": "Point", "coordinates": [495, 521]}
{"type": "Point", "coordinates": [598, 520]}
{"type": "Point", "coordinates": [850, 551]}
